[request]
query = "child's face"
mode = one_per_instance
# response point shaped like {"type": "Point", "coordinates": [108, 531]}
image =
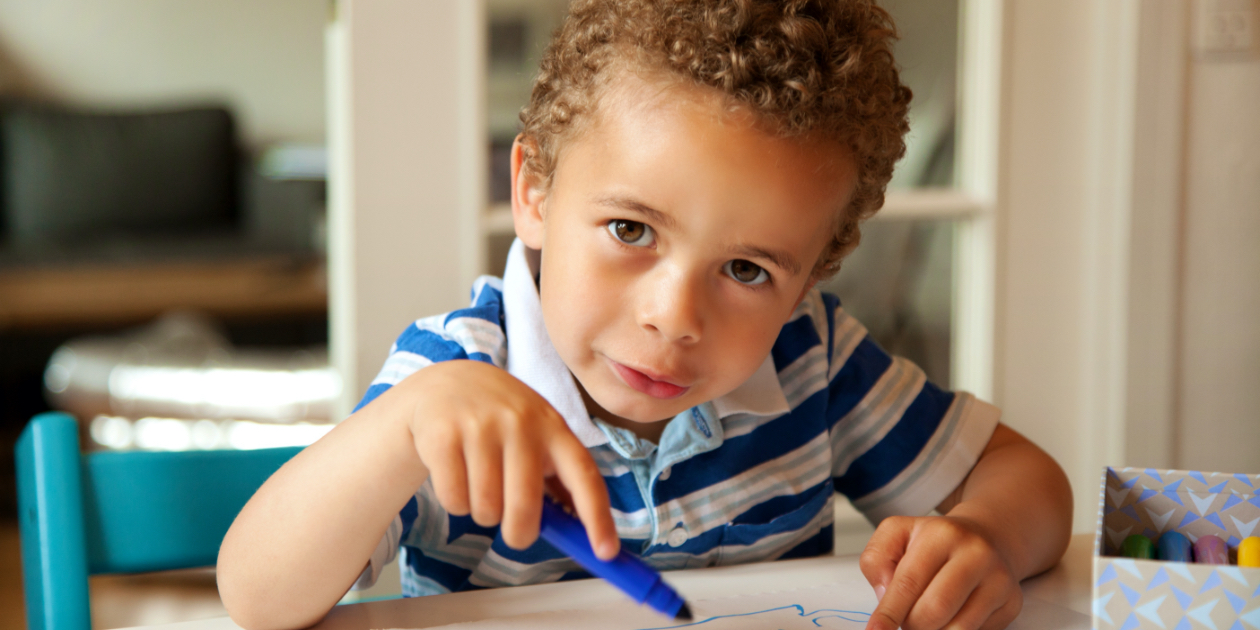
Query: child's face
{"type": "Point", "coordinates": [676, 240]}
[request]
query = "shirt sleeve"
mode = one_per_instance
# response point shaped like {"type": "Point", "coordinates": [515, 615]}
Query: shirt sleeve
{"type": "Point", "coordinates": [474, 333]}
{"type": "Point", "coordinates": [385, 552]}
{"type": "Point", "coordinates": [900, 444]}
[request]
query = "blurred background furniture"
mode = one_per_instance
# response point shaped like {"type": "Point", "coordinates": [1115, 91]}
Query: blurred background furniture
{"type": "Point", "coordinates": [111, 218]}
{"type": "Point", "coordinates": [162, 195]}
{"type": "Point", "coordinates": [179, 384]}
{"type": "Point", "coordinates": [120, 512]}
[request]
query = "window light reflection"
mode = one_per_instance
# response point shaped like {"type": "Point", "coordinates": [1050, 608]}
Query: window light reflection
{"type": "Point", "coordinates": [225, 392]}
{"type": "Point", "coordinates": [178, 434]}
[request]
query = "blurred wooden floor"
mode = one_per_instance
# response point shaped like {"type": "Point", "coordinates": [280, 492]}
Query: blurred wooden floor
{"type": "Point", "coordinates": [12, 609]}
{"type": "Point", "coordinates": [117, 601]}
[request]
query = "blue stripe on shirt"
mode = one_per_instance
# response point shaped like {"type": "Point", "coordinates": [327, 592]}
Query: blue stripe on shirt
{"type": "Point", "coordinates": [484, 313]}
{"type": "Point", "coordinates": [855, 380]}
{"type": "Point", "coordinates": [831, 304]}
{"type": "Point", "coordinates": [902, 445]}
{"type": "Point", "coordinates": [481, 356]}
{"type": "Point", "coordinates": [408, 515]}
{"type": "Point", "coordinates": [436, 347]}
{"type": "Point", "coordinates": [430, 345]}
{"type": "Point", "coordinates": [451, 577]}
{"type": "Point", "coordinates": [460, 525]}
{"type": "Point", "coordinates": [487, 291]}
{"type": "Point", "coordinates": [796, 338]}
{"type": "Point", "coordinates": [750, 533]}
{"type": "Point", "coordinates": [623, 493]}
{"type": "Point", "coordinates": [820, 544]}
{"type": "Point", "coordinates": [769, 441]}
{"type": "Point", "coordinates": [372, 393]}
{"type": "Point", "coordinates": [540, 551]}
{"type": "Point", "coordinates": [778, 506]}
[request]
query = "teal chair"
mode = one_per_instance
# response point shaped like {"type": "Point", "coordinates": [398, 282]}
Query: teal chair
{"type": "Point", "coordinates": [119, 512]}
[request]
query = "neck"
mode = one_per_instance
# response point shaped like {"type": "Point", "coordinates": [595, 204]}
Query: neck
{"type": "Point", "coordinates": [650, 431]}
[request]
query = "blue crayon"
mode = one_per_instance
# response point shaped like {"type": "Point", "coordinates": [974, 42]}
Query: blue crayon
{"type": "Point", "coordinates": [627, 572]}
{"type": "Point", "coordinates": [1173, 546]}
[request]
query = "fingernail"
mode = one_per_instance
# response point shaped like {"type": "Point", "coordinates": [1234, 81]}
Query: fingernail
{"type": "Point", "coordinates": [879, 592]}
{"type": "Point", "coordinates": [607, 551]}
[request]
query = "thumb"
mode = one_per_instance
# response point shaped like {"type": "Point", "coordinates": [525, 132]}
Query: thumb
{"type": "Point", "coordinates": [885, 549]}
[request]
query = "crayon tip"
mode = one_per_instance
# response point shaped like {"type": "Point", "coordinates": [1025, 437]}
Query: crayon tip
{"type": "Point", "coordinates": [684, 613]}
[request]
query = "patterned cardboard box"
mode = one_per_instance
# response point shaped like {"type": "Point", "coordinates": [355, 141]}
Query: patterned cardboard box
{"type": "Point", "coordinates": [1137, 594]}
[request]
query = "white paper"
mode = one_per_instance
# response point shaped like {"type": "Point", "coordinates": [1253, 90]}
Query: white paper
{"type": "Point", "coordinates": [836, 605]}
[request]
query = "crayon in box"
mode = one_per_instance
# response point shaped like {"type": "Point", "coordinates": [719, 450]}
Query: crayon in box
{"type": "Point", "coordinates": [1132, 594]}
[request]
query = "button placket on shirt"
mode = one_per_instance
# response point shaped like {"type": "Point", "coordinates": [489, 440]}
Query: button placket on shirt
{"type": "Point", "coordinates": [699, 432]}
{"type": "Point", "coordinates": [639, 456]}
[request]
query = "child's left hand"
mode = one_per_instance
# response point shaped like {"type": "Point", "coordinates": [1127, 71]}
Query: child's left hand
{"type": "Point", "coordinates": [939, 572]}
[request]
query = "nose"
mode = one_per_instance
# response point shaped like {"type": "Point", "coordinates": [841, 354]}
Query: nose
{"type": "Point", "coordinates": [671, 305]}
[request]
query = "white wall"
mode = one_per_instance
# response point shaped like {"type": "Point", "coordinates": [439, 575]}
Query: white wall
{"type": "Point", "coordinates": [1218, 418]}
{"type": "Point", "coordinates": [1128, 273]}
{"type": "Point", "coordinates": [265, 59]}
{"type": "Point", "coordinates": [407, 181]}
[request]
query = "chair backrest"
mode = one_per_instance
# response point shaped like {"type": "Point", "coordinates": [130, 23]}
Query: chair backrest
{"type": "Point", "coordinates": [115, 512]}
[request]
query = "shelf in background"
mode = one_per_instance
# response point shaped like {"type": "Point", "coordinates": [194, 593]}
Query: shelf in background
{"type": "Point", "coordinates": [43, 297]}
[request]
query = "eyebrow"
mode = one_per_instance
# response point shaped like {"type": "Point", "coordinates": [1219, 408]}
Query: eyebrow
{"type": "Point", "coordinates": [630, 205]}
{"type": "Point", "coordinates": [781, 259]}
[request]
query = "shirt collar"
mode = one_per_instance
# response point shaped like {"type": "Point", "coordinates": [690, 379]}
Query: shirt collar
{"type": "Point", "coordinates": [533, 359]}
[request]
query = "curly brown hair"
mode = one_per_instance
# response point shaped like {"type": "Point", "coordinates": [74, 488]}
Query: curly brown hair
{"type": "Point", "coordinates": [806, 68]}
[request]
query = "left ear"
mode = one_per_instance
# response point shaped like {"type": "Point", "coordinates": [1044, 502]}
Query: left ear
{"type": "Point", "coordinates": [527, 197]}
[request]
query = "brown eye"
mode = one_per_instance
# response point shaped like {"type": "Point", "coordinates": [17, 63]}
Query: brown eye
{"type": "Point", "coordinates": [631, 232]}
{"type": "Point", "coordinates": [746, 272]}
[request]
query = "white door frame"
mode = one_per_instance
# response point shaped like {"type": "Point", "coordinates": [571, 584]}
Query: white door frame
{"type": "Point", "coordinates": [1086, 236]}
{"type": "Point", "coordinates": [407, 180]}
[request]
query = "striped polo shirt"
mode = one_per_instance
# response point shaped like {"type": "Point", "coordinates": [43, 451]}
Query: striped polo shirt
{"type": "Point", "coordinates": [747, 477]}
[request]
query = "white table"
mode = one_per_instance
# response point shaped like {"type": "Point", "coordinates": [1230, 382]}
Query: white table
{"type": "Point", "coordinates": [1067, 585]}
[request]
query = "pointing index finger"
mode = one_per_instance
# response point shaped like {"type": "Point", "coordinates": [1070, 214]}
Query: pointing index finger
{"type": "Point", "coordinates": [909, 581]}
{"type": "Point", "coordinates": [585, 485]}
{"type": "Point", "coordinates": [883, 551]}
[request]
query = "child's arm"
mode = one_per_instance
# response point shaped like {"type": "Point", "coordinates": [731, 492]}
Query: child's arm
{"type": "Point", "coordinates": [1009, 519]}
{"type": "Point", "coordinates": [488, 441]}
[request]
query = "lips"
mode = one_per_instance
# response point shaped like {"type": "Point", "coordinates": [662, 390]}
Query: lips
{"type": "Point", "coordinates": [643, 383]}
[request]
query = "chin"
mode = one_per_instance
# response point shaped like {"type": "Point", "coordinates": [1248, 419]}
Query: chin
{"type": "Point", "coordinates": [644, 409]}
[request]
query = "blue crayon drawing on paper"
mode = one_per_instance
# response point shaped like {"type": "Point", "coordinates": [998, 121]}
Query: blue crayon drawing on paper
{"type": "Point", "coordinates": [844, 604]}
{"type": "Point", "coordinates": [791, 617]}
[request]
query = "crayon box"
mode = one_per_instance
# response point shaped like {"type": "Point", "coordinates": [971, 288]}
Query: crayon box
{"type": "Point", "coordinates": [1134, 594]}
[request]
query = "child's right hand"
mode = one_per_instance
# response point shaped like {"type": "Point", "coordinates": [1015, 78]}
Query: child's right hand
{"type": "Point", "coordinates": [489, 441]}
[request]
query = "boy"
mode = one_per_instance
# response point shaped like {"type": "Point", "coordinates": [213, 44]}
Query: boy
{"type": "Point", "coordinates": [686, 172]}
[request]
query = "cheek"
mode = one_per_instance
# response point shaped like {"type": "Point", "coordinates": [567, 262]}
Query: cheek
{"type": "Point", "coordinates": [745, 339]}
{"type": "Point", "coordinates": [578, 300]}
